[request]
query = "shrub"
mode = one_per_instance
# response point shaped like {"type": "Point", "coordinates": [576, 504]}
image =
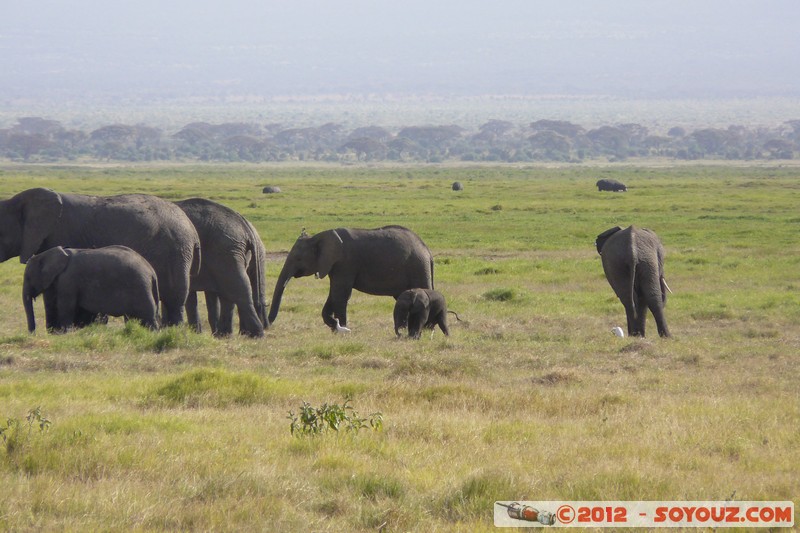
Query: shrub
{"type": "Point", "coordinates": [317, 420]}
{"type": "Point", "coordinates": [500, 295]}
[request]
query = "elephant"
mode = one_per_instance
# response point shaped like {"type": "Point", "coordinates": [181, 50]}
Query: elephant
{"type": "Point", "coordinates": [633, 262]}
{"type": "Point", "coordinates": [416, 309]}
{"type": "Point", "coordinates": [231, 269]}
{"type": "Point", "coordinates": [457, 186]}
{"type": "Point", "coordinates": [38, 219]}
{"type": "Point", "coordinates": [112, 280]}
{"type": "Point", "coordinates": [607, 184]}
{"type": "Point", "coordinates": [384, 262]}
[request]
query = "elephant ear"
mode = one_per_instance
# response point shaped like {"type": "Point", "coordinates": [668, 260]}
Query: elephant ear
{"type": "Point", "coordinates": [41, 210]}
{"type": "Point", "coordinates": [52, 263]}
{"type": "Point", "coordinates": [329, 251]}
{"type": "Point", "coordinates": [603, 237]}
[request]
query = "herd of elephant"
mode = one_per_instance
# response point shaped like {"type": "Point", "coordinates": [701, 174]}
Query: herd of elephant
{"type": "Point", "coordinates": [130, 255]}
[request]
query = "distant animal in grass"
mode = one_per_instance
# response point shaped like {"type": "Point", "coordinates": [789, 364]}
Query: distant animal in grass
{"type": "Point", "coordinates": [607, 184]}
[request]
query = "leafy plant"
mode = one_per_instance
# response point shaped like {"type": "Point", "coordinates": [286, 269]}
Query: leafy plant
{"type": "Point", "coordinates": [14, 435]}
{"type": "Point", "coordinates": [331, 417]}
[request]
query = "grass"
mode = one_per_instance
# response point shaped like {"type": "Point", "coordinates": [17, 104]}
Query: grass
{"type": "Point", "coordinates": [531, 397]}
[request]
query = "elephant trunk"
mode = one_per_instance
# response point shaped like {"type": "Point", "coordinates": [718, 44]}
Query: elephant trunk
{"type": "Point", "coordinates": [27, 301]}
{"type": "Point", "coordinates": [283, 280]}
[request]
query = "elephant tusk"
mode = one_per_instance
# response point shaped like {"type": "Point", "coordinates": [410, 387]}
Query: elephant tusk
{"type": "Point", "coordinates": [337, 236]}
{"type": "Point", "coordinates": [285, 283]}
{"type": "Point", "coordinates": [664, 280]}
{"type": "Point", "coordinates": [316, 275]}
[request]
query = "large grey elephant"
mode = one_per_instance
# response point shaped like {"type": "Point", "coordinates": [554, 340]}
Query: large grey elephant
{"type": "Point", "coordinates": [383, 262]}
{"type": "Point", "coordinates": [633, 261]}
{"type": "Point", "coordinates": [112, 280]}
{"type": "Point", "coordinates": [416, 309]}
{"type": "Point", "coordinates": [231, 269]}
{"type": "Point", "coordinates": [38, 219]}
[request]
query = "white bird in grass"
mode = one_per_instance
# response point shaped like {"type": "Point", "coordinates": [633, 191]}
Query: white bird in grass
{"type": "Point", "coordinates": [341, 329]}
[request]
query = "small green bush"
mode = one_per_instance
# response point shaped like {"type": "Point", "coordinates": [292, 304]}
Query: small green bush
{"type": "Point", "coordinates": [17, 437]}
{"type": "Point", "coordinates": [317, 420]}
{"type": "Point", "coordinates": [500, 295]}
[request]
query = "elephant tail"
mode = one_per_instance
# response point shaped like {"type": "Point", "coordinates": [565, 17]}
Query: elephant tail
{"type": "Point", "coordinates": [634, 261]}
{"type": "Point", "coordinates": [257, 275]}
{"type": "Point", "coordinates": [456, 315]}
{"type": "Point", "coordinates": [196, 259]}
{"type": "Point", "coordinates": [156, 296]}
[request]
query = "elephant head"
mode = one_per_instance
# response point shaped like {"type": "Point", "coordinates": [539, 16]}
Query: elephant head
{"type": "Point", "coordinates": [26, 221]}
{"type": "Point", "coordinates": [40, 273]}
{"type": "Point", "coordinates": [603, 237]}
{"type": "Point", "coordinates": [315, 255]}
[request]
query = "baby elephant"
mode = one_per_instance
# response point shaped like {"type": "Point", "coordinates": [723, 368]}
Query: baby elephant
{"type": "Point", "coordinates": [420, 308]}
{"type": "Point", "coordinates": [113, 280]}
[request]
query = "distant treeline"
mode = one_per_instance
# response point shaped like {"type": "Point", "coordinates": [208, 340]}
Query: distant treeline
{"type": "Point", "coordinates": [36, 139]}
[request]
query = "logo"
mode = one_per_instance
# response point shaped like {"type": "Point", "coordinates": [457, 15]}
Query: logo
{"type": "Point", "coordinates": [650, 514]}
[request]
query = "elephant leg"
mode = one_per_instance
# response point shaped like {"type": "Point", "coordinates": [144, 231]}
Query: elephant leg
{"type": "Point", "coordinates": [173, 301]}
{"type": "Point", "coordinates": [632, 319]}
{"type": "Point", "coordinates": [147, 319]}
{"type": "Point", "coordinates": [212, 310]}
{"type": "Point", "coordinates": [85, 318]}
{"type": "Point", "coordinates": [661, 322]}
{"type": "Point", "coordinates": [191, 312]}
{"type": "Point", "coordinates": [415, 324]}
{"type": "Point", "coordinates": [173, 314]}
{"type": "Point", "coordinates": [327, 314]}
{"type": "Point", "coordinates": [339, 298]}
{"type": "Point", "coordinates": [400, 319]}
{"type": "Point", "coordinates": [641, 321]}
{"type": "Point", "coordinates": [67, 305]}
{"type": "Point", "coordinates": [233, 286]}
{"type": "Point", "coordinates": [51, 310]}
{"type": "Point", "coordinates": [241, 294]}
{"type": "Point", "coordinates": [442, 321]}
{"type": "Point", "coordinates": [249, 322]}
{"type": "Point", "coordinates": [641, 317]}
{"type": "Point", "coordinates": [225, 323]}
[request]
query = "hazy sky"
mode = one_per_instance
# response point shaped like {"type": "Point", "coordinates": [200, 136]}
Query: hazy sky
{"type": "Point", "coordinates": [144, 49]}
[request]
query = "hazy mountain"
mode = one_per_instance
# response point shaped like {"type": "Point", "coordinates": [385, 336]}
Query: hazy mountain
{"type": "Point", "coordinates": [147, 50]}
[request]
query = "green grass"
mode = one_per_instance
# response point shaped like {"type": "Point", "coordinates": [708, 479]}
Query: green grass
{"type": "Point", "coordinates": [531, 397]}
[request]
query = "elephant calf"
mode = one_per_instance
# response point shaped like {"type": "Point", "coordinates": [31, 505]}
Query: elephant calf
{"type": "Point", "coordinates": [633, 261]}
{"type": "Point", "coordinates": [416, 309]}
{"type": "Point", "coordinates": [113, 280]}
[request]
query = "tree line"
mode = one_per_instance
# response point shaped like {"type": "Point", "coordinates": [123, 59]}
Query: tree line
{"type": "Point", "coordinates": [35, 139]}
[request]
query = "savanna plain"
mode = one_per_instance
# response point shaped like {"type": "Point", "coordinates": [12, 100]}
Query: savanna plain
{"type": "Point", "coordinates": [530, 398]}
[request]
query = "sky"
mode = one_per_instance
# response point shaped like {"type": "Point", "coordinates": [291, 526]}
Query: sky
{"type": "Point", "coordinates": [133, 51]}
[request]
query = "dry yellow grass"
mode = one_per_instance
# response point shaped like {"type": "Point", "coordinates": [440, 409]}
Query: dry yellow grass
{"type": "Point", "coordinates": [531, 397]}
